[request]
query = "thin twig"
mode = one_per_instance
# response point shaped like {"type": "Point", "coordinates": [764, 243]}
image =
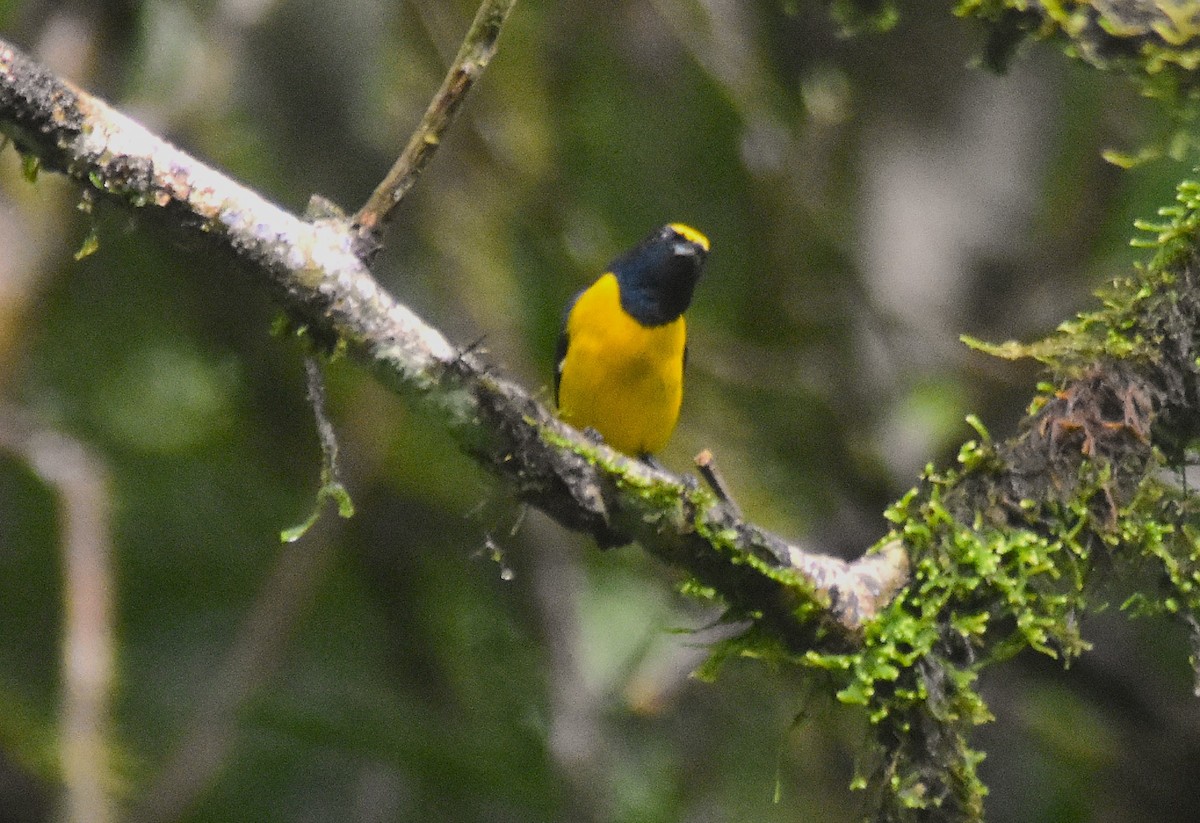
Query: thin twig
{"type": "Point", "coordinates": [331, 488]}
{"type": "Point", "coordinates": [315, 378]}
{"type": "Point", "coordinates": [81, 486]}
{"type": "Point", "coordinates": [707, 466]}
{"type": "Point", "coordinates": [477, 49]}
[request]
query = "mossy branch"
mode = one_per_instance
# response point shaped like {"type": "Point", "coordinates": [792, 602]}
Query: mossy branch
{"type": "Point", "coordinates": [1013, 548]}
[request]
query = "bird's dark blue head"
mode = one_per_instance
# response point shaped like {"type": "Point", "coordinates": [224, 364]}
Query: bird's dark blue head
{"type": "Point", "coordinates": [657, 276]}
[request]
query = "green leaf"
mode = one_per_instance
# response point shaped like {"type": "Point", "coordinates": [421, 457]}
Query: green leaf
{"type": "Point", "coordinates": [334, 491]}
{"type": "Point", "coordinates": [90, 245]}
{"type": "Point", "coordinates": [30, 165]}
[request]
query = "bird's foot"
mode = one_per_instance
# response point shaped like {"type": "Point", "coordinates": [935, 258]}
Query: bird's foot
{"type": "Point", "coordinates": [593, 435]}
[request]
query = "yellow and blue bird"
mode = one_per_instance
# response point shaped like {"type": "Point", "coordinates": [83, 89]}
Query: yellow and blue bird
{"type": "Point", "coordinates": [624, 343]}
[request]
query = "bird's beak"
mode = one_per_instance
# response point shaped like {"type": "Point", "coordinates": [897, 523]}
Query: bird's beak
{"type": "Point", "coordinates": [689, 250]}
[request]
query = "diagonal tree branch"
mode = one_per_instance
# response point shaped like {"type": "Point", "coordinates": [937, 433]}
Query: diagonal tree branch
{"type": "Point", "coordinates": [313, 270]}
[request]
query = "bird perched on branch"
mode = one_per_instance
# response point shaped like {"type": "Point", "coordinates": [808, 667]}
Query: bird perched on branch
{"type": "Point", "coordinates": [624, 342]}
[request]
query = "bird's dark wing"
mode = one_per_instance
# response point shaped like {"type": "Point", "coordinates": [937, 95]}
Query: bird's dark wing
{"type": "Point", "coordinates": [560, 354]}
{"type": "Point", "coordinates": [560, 350]}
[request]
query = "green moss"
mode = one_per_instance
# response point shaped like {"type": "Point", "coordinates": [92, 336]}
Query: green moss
{"type": "Point", "coordinates": [725, 540]}
{"type": "Point", "coordinates": [1157, 45]}
{"type": "Point", "coordinates": [591, 454]}
{"type": "Point", "coordinates": [1173, 235]}
{"type": "Point", "coordinates": [1117, 330]}
{"type": "Point", "coordinates": [981, 591]}
{"type": "Point", "coordinates": [1111, 332]}
{"type": "Point", "coordinates": [855, 16]}
{"type": "Point", "coordinates": [1161, 531]}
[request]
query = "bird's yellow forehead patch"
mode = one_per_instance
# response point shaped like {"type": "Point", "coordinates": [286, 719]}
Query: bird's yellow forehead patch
{"type": "Point", "coordinates": [691, 235]}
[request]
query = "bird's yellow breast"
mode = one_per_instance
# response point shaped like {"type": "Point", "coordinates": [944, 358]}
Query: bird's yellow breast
{"type": "Point", "coordinates": [621, 378]}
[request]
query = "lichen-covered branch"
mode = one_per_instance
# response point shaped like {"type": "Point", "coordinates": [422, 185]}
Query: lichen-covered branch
{"type": "Point", "coordinates": [314, 270]}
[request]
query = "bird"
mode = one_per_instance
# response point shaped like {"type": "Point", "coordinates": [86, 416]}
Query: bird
{"type": "Point", "coordinates": [623, 345]}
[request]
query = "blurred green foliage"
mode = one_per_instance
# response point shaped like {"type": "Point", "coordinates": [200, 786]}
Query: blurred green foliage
{"type": "Point", "coordinates": [384, 668]}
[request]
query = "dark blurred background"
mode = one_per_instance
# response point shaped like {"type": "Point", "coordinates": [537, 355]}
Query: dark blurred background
{"type": "Point", "coordinates": [442, 656]}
